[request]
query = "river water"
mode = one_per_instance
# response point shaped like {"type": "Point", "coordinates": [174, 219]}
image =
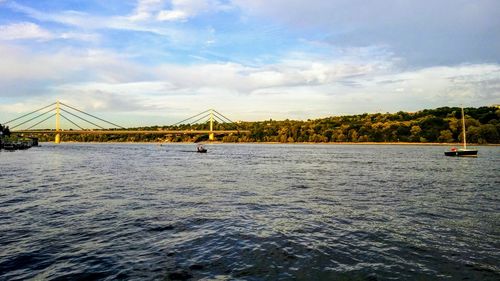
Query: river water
{"type": "Point", "coordinates": [248, 212]}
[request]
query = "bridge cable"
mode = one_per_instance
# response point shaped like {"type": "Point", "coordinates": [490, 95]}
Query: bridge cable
{"type": "Point", "coordinates": [42, 121]}
{"type": "Point", "coordinates": [29, 113]}
{"type": "Point", "coordinates": [197, 120]}
{"type": "Point", "coordinates": [40, 115]}
{"type": "Point", "coordinates": [93, 116]}
{"type": "Point", "coordinates": [220, 117]}
{"type": "Point", "coordinates": [227, 119]}
{"type": "Point", "coordinates": [224, 122]}
{"type": "Point", "coordinates": [71, 122]}
{"type": "Point", "coordinates": [207, 121]}
{"type": "Point", "coordinates": [218, 120]}
{"type": "Point", "coordinates": [190, 118]}
{"type": "Point", "coordinates": [82, 118]}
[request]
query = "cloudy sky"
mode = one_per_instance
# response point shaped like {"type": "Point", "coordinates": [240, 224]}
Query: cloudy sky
{"type": "Point", "coordinates": [144, 62]}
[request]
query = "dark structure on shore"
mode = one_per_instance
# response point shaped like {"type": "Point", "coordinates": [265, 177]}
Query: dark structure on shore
{"type": "Point", "coordinates": [8, 143]}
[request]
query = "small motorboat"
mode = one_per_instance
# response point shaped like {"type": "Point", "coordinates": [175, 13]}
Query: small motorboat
{"type": "Point", "coordinates": [201, 149]}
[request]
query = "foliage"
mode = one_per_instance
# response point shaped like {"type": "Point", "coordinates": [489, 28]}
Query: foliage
{"type": "Point", "coordinates": [4, 130]}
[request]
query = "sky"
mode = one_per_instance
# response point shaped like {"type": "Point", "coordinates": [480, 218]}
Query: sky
{"type": "Point", "coordinates": [155, 62]}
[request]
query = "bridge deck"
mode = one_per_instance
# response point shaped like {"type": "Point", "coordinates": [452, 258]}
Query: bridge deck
{"type": "Point", "coordinates": [129, 132]}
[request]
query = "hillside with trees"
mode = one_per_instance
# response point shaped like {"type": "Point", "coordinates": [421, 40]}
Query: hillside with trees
{"type": "Point", "coordinates": [430, 125]}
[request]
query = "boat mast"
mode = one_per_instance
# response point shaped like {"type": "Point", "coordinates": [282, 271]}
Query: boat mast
{"type": "Point", "coordinates": [463, 127]}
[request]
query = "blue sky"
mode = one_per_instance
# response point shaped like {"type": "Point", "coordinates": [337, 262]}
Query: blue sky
{"type": "Point", "coordinates": [144, 62]}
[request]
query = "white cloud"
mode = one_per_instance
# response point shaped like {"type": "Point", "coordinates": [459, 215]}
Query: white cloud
{"type": "Point", "coordinates": [24, 30]}
{"type": "Point", "coordinates": [299, 86]}
{"type": "Point", "coordinates": [470, 85]}
{"type": "Point", "coordinates": [67, 17]}
{"type": "Point", "coordinates": [29, 30]}
{"type": "Point", "coordinates": [21, 64]}
{"type": "Point", "coordinates": [145, 9]}
{"type": "Point", "coordinates": [245, 79]}
{"type": "Point", "coordinates": [184, 9]}
{"type": "Point", "coordinates": [424, 33]}
{"type": "Point", "coordinates": [172, 15]}
{"type": "Point", "coordinates": [139, 21]}
{"type": "Point", "coordinates": [180, 10]}
{"type": "Point", "coordinates": [89, 37]}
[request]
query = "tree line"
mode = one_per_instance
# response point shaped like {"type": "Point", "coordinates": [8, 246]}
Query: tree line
{"type": "Point", "coordinates": [430, 125]}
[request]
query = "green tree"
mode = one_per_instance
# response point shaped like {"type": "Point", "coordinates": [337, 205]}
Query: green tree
{"type": "Point", "coordinates": [445, 136]}
{"type": "Point", "coordinates": [4, 130]}
{"type": "Point", "coordinates": [488, 134]}
{"type": "Point", "coordinates": [353, 135]}
{"type": "Point", "coordinates": [415, 133]}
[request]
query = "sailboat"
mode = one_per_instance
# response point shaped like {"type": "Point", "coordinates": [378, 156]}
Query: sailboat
{"type": "Point", "coordinates": [462, 152]}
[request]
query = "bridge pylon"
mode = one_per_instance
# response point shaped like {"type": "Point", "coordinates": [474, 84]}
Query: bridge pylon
{"type": "Point", "coordinates": [57, 139]}
{"type": "Point", "coordinates": [211, 135]}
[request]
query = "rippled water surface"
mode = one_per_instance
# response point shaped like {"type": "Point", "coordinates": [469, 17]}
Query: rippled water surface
{"type": "Point", "coordinates": [248, 212]}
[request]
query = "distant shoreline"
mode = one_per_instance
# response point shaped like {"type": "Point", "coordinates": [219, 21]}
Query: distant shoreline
{"type": "Point", "coordinates": [293, 143]}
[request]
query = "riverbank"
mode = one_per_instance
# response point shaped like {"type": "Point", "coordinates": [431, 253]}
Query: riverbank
{"type": "Point", "coordinates": [297, 143]}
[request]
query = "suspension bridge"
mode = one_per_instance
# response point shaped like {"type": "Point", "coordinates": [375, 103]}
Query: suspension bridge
{"type": "Point", "coordinates": [64, 112]}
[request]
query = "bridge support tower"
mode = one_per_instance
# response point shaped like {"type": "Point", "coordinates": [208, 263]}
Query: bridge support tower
{"type": "Point", "coordinates": [211, 135]}
{"type": "Point", "coordinates": [58, 124]}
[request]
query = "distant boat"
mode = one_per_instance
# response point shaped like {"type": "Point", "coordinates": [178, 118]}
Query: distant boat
{"type": "Point", "coordinates": [462, 152]}
{"type": "Point", "coordinates": [201, 149]}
